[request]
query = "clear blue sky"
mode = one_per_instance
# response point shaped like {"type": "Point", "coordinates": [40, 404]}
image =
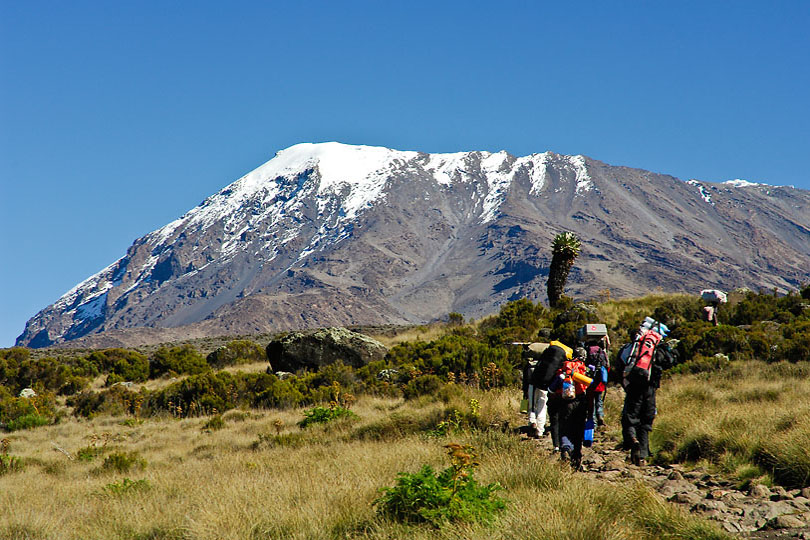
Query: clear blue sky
{"type": "Point", "coordinates": [117, 117]}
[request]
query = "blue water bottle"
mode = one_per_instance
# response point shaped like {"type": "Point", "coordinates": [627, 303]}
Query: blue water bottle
{"type": "Point", "coordinates": [587, 439]}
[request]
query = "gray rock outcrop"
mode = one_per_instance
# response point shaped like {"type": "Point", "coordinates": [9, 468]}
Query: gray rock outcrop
{"type": "Point", "coordinates": [313, 350]}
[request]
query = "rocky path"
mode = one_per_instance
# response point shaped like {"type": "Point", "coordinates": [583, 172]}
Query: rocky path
{"type": "Point", "coordinates": [760, 512]}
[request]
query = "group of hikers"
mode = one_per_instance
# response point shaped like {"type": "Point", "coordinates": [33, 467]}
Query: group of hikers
{"type": "Point", "coordinates": [566, 386]}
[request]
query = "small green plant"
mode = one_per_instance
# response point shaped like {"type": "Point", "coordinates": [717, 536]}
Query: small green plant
{"type": "Point", "coordinates": [123, 462]}
{"type": "Point", "coordinates": [451, 496]}
{"type": "Point", "coordinates": [214, 423]}
{"type": "Point", "coordinates": [10, 464]}
{"type": "Point", "coordinates": [451, 425]}
{"type": "Point", "coordinates": [28, 421]}
{"type": "Point", "coordinates": [89, 453]}
{"type": "Point", "coordinates": [475, 408]}
{"type": "Point", "coordinates": [126, 486]}
{"type": "Point", "coordinates": [321, 415]}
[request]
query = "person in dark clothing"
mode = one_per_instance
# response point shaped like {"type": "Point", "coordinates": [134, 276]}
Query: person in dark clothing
{"type": "Point", "coordinates": [569, 415]}
{"type": "Point", "coordinates": [639, 406]}
{"type": "Point", "coordinates": [597, 361]}
{"type": "Point", "coordinates": [568, 410]}
{"type": "Point", "coordinates": [545, 371]}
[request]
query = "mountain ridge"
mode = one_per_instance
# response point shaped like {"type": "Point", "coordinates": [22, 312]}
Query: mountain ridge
{"type": "Point", "coordinates": [327, 233]}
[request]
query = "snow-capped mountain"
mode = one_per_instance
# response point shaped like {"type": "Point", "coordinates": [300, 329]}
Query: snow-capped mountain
{"type": "Point", "coordinates": [326, 234]}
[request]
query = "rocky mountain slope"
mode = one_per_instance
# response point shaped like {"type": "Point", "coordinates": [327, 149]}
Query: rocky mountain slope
{"type": "Point", "coordinates": [331, 234]}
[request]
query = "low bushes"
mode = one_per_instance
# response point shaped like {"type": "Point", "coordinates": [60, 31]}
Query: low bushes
{"type": "Point", "coordinates": [177, 360]}
{"type": "Point", "coordinates": [452, 495]}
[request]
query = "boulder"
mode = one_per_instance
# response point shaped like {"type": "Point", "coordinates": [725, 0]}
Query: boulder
{"type": "Point", "coordinates": [785, 522]}
{"type": "Point", "coordinates": [758, 490]}
{"type": "Point", "coordinates": [313, 350]}
{"type": "Point", "coordinates": [28, 393]}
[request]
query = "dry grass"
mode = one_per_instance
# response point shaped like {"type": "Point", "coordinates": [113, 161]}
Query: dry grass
{"type": "Point", "coordinates": [752, 413]}
{"type": "Point", "coordinates": [610, 311]}
{"type": "Point", "coordinates": [242, 481]}
{"type": "Point", "coordinates": [428, 332]}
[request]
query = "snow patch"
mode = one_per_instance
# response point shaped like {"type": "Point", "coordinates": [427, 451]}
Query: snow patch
{"type": "Point", "coordinates": [740, 183]}
{"type": "Point", "coordinates": [92, 309]}
{"type": "Point", "coordinates": [583, 179]}
{"type": "Point", "coordinates": [446, 168]}
{"type": "Point", "coordinates": [704, 193]}
{"type": "Point", "coordinates": [537, 168]}
{"type": "Point", "coordinates": [498, 177]}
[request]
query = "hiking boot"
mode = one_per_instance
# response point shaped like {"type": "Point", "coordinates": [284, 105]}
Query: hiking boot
{"type": "Point", "coordinates": [565, 454]}
{"type": "Point", "coordinates": [635, 459]}
{"type": "Point", "coordinates": [576, 463]}
{"type": "Point", "coordinates": [600, 422]}
{"type": "Point", "coordinates": [641, 462]}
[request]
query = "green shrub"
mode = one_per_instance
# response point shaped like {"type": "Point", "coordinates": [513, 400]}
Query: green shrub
{"type": "Point", "coordinates": [28, 421]}
{"type": "Point", "coordinates": [321, 415]}
{"type": "Point", "coordinates": [724, 339]}
{"type": "Point", "coordinates": [518, 320]}
{"type": "Point", "coordinates": [214, 423]}
{"type": "Point", "coordinates": [120, 365]}
{"type": "Point", "coordinates": [465, 357]}
{"type": "Point", "coordinates": [123, 462]}
{"type": "Point", "coordinates": [22, 413]}
{"type": "Point", "coordinates": [702, 364]}
{"type": "Point", "coordinates": [89, 453]}
{"type": "Point", "coordinates": [127, 486]}
{"type": "Point", "coordinates": [239, 351]}
{"type": "Point", "coordinates": [451, 496]}
{"type": "Point", "coordinates": [114, 400]}
{"type": "Point", "coordinates": [10, 464]}
{"type": "Point", "coordinates": [177, 360]}
{"type": "Point", "coordinates": [421, 386]}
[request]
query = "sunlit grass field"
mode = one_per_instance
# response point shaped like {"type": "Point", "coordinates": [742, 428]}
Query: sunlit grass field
{"type": "Point", "coordinates": [261, 476]}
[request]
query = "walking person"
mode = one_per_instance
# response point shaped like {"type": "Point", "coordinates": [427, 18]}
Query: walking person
{"type": "Point", "coordinates": [639, 409]}
{"type": "Point", "coordinates": [544, 374]}
{"type": "Point", "coordinates": [572, 407]}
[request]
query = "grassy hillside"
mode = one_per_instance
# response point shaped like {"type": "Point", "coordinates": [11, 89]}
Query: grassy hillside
{"type": "Point", "coordinates": [205, 443]}
{"type": "Point", "coordinates": [261, 476]}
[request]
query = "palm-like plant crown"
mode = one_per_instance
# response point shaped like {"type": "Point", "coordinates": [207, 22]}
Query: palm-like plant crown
{"type": "Point", "coordinates": [566, 244]}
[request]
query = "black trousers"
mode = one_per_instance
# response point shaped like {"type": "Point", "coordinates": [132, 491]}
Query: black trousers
{"type": "Point", "coordinates": [638, 416]}
{"type": "Point", "coordinates": [568, 422]}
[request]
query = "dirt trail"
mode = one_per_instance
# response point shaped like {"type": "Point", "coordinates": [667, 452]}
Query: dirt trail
{"type": "Point", "coordinates": [760, 512]}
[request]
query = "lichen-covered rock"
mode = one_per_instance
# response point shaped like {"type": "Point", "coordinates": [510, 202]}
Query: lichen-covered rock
{"type": "Point", "coordinates": [313, 350]}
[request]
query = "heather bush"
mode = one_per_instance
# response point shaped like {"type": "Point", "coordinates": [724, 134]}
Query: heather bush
{"type": "Point", "coordinates": [236, 352]}
{"type": "Point", "coordinates": [123, 462]}
{"type": "Point", "coordinates": [322, 415]}
{"type": "Point", "coordinates": [114, 400]}
{"type": "Point", "coordinates": [177, 360]}
{"type": "Point", "coordinates": [120, 365]}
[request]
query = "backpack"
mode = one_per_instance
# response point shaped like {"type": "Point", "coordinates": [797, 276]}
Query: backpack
{"type": "Point", "coordinates": [569, 388]}
{"type": "Point", "coordinates": [639, 359]}
{"type": "Point", "coordinates": [597, 358]}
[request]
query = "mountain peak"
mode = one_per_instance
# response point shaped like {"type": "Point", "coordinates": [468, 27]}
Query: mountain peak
{"type": "Point", "coordinates": [332, 234]}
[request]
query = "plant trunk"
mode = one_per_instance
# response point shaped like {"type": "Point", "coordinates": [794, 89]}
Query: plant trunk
{"type": "Point", "coordinates": [557, 276]}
